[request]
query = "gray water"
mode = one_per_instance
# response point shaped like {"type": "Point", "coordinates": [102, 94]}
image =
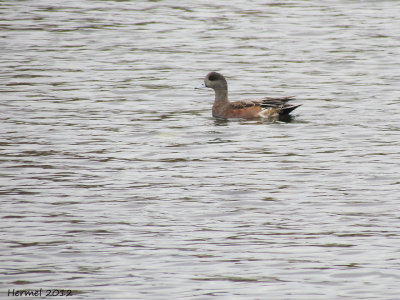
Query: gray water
{"type": "Point", "coordinates": [116, 182]}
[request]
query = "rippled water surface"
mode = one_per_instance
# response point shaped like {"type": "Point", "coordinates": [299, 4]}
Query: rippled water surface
{"type": "Point", "coordinates": [117, 183]}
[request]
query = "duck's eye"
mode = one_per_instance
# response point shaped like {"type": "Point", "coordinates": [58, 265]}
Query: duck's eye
{"type": "Point", "coordinates": [213, 77]}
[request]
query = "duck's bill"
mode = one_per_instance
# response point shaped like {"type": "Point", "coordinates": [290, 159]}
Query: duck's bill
{"type": "Point", "coordinates": [202, 86]}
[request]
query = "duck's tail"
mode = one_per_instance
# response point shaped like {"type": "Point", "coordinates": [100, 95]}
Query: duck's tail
{"type": "Point", "coordinates": [287, 109]}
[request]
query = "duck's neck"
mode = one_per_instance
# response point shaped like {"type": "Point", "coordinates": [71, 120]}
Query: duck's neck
{"type": "Point", "coordinates": [221, 97]}
{"type": "Point", "coordinates": [221, 102]}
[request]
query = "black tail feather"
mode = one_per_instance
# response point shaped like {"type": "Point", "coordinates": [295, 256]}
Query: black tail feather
{"type": "Point", "coordinates": [288, 109]}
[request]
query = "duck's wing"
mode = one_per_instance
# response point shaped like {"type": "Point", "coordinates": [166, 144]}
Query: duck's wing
{"type": "Point", "coordinates": [280, 104]}
{"type": "Point", "coordinates": [270, 102]}
{"type": "Point", "coordinates": [275, 105]}
{"type": "Point", "coordinates": [245, 104]}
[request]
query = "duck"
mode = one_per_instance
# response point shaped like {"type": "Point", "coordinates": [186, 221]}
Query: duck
{"type": "Point", "coordinates": [267, 107]}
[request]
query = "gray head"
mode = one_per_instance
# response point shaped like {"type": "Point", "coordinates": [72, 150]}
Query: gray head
{"type": "Point", "coordinates": [215, 81]}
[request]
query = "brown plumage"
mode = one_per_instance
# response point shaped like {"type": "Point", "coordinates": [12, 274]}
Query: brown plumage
{"type": "Point", "coordinates": [247, 109]}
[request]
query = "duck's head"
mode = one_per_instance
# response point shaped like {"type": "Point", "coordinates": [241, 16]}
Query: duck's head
{"type": "Point", "coordinates": [216, 81]}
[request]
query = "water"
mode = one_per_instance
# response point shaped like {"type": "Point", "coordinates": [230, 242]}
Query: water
{"type": "Point", "coordinates": [116, 182]}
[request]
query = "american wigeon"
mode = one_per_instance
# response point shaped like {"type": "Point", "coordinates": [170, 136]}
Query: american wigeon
{"type": "Point", "coordinates": [247, 109]}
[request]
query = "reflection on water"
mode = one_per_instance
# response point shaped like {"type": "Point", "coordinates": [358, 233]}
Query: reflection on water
{"type": "Point", "coordinates": [117, 183]}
